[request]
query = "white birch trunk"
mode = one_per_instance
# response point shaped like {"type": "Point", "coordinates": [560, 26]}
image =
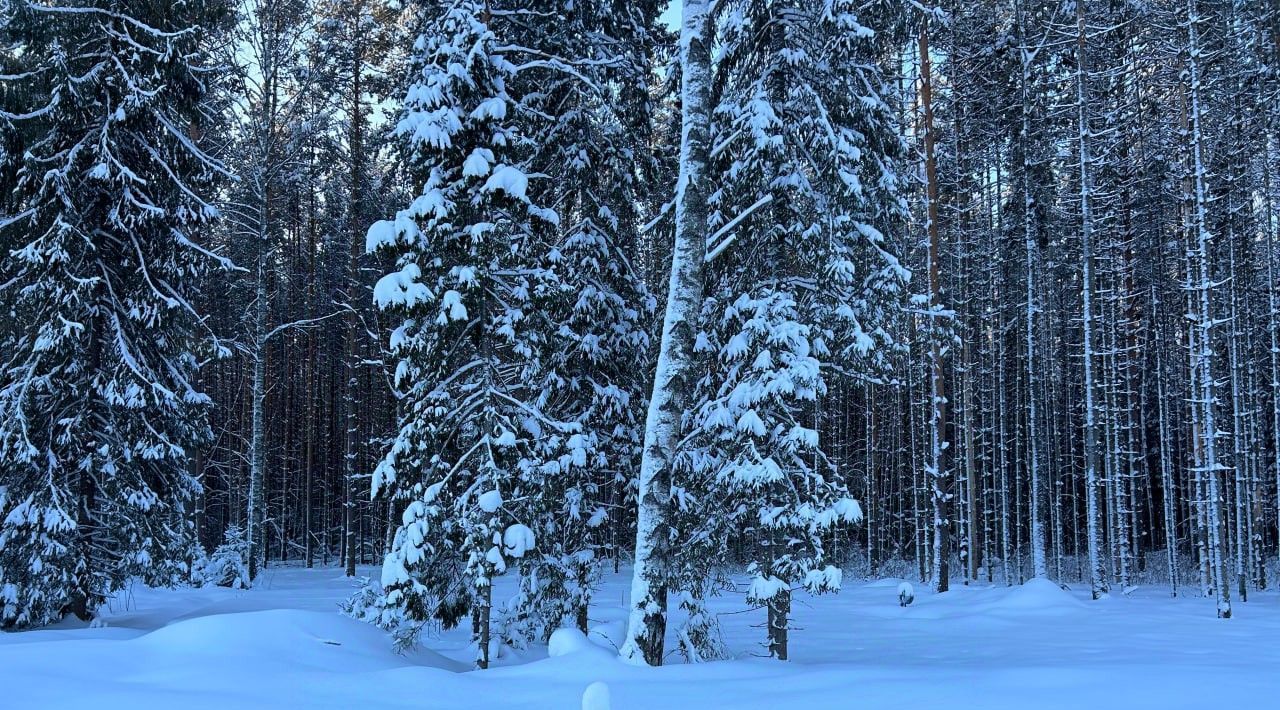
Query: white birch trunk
{"type": "Point", "coordinates": [257, 445]}
{"type": "Point", "coordinates": [674, 376]}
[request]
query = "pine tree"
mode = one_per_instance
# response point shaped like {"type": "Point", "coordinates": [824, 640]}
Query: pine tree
{"type": "Point", "coordinates": [99, 411]}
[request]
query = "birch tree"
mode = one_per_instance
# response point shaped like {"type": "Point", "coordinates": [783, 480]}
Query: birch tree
{"type": "Point", "coordinates": [675, 372]}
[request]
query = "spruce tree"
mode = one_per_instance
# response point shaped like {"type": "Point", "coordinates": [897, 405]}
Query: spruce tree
{"type": "Point", "coordinates": [106, 111]}
{"type": "Point", "coordinates": [471, 289]}
{"type": "Point", "coordinates": [802, 284]}
{"type": "Point", "coordinates": [542, 370]}
{"type": "Point", "coordinates": [584, 106]}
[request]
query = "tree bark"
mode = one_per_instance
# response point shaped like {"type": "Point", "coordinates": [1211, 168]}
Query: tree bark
{"type": "Point", "coordinates": [677, 366]}
{"type": "Point", "coordinates": [939, 476]}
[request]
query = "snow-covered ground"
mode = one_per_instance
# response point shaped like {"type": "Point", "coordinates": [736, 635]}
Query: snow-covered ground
{"type": "Point", "coordinates": [284, 645]}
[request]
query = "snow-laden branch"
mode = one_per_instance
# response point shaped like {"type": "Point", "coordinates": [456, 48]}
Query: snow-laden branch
{"type": "Point", "coordinates": [303, 323]}
{"type": "Point", "coordinates": [53, 9]}
{"type": "Point", "coordinates": [728, 228]}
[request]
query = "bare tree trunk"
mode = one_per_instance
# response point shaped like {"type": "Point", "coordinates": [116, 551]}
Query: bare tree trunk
{"type": "Point", "coordinates": [1166, 469]}
{"type": "Point", "coordinates": [1039, 566]}
{"type": "Point", "coordinates": [676, 369]}
{"type": "Point", "coordinates": [481, 618]}
{"type": "Point", "coordinates": [1273, 317]}
{"type": "Point", "coordinates": [1205, 386]}
{"type": "Point", "coordinates": [1097, 580]}
{"type": "Point", "coordinates": [257, 446]}
{"type": "Point", "coordinates": [779, 611]}
{"type": "Point", "coordinates": [939, 477]}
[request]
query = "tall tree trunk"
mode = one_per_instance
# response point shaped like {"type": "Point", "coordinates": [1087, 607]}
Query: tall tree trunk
{"type": "Point", "coordinates": [677, 367]}
{"type": "Point", "coordinates": [1205, 386]}
{"type": "Point", "coordinates": [1097, 580]}
{"type": "Point", "coordinates": [257, 445]}
{"type": "Point", "coordinates": [1039, 566]}
{"type": "Point", "coordinates": [779, 611]}
{"type": "Point", "coordinates": [939, 476]}
{"type": "Point", "coordinates": [351, 400]}
{"type": "Point", "coordinates": [1273, 318]}
{"type": "Point", "coordinates": [84, 599]}
{"type": "Point", "coordinates": [1166, 467]}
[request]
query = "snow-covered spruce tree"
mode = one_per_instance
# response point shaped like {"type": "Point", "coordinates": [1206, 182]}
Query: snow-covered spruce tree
{"type": "Point", "coordinates": [773, 482]}
{"type": "Point", "coordinates": [225, 566]}
{"type": "Point", "coordinates": [107, 106]}
{"type": "Point", "coordinates": [477, 291]}
{"type": "Point", "coordinates": [580, 64]}
{"type": "Point", "coordinates": [800, 282]}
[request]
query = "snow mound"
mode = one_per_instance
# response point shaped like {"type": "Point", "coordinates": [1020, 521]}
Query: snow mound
{"type": "Point", "coordinates": [906, 593]}
{"type": "Point", "coordinates": [321, 640]}
{"type": "Point", "coordinates": [885, 582]}
{"type": "Point", "coordinates": [1039, 595]}
{"type": "Point", "coordinates": [566, 641]}
{"type": "Point", "coordinates": [608, 635]}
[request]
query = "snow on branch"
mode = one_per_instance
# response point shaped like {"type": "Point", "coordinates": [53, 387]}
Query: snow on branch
{"type": "Point", "coordinates": [728, 227]}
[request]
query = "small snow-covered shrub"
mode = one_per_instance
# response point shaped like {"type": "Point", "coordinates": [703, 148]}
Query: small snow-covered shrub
{"type": "Point", "coordinates": [226, 566]}
{"type": "Point", "coordinates": [363, 602]}
{"type": "Point", "coordinates": [699, 636]}
{"type": "Point", "coordinates": [368, 603]}
{"type": "Point", "coordinates": [186, 568]}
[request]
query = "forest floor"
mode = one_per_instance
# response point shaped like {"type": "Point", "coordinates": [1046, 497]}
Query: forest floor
{"type": "Point", "coordinates": [284, 645]}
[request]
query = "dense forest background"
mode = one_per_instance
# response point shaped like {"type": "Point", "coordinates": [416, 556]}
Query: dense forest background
{"type": "Point", "coordinates": [1064, 355]}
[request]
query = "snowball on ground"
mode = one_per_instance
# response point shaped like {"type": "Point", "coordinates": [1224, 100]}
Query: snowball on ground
{"type": "Point", "coordinates": [596, 697]}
